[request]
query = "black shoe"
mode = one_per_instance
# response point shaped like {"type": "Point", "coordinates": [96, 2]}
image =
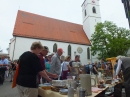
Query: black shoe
{"type": "Point", "coordinates": [11, 81]}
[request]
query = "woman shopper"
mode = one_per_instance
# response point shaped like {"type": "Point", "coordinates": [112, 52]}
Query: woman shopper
{"type": "Point", "coordinates": [29, 67]}
{"type": "Point", "coordinates": [13, 69]}
{"type": "Point", "coordinates": [66, 68]}
{"type": "Point", "coordinates": [95, 71]}
{"type": "Point", "coordinates": [47, 64]}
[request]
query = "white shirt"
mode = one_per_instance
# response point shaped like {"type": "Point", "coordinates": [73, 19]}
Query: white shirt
{"type": "Point", "coordinates": [65, 66]}
{"type": "Point", "coordinates": [118, 66]}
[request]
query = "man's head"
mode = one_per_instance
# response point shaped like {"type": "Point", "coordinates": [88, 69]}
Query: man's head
{"type": "Point", "coordinates": [36, 47]}
{"type": "Point", "coordinates": [49, 58]}
{"type": "Point", "coordinates": [60, 51]}
{"type": "Point", "coordinates": [3, 57]}
{"type": "Point", "coordinates": [102, 60]}
{"type": "Point", "coordinates": [45, 50]}
{"type": "Point", "coordinates": [77, 58]}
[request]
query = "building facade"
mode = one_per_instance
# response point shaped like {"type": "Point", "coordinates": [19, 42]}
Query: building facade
{"type": "Point", "coordinates": [127, 9]}
{"type": "Point", "coordinates": [22, 44]}
{"type": "Point", "coordinates": [73, 38]}
{"type": "Point", "coordinates": [91, 16]}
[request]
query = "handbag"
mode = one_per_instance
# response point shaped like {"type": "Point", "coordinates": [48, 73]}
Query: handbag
{"type": "Point", "coordinates": [11, 70]}
{"type": "Point", "coordinates": [15, 75]}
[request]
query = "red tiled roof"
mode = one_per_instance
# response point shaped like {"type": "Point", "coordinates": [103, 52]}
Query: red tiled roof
{"type": "Point", "coordinates": [41, 27]}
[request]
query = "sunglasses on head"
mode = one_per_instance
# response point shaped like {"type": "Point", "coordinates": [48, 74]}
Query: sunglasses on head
{"type": "Point", "coordinates": [45, 47]}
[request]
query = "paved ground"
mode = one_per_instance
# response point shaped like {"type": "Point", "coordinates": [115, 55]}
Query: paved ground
{"type": "Point", "coordinates": [7, 91]}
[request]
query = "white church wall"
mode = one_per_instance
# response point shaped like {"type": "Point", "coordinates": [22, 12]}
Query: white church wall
{"type": "Point", "coordinates": [89, 25]}
{"type": "Point", "coordinates": [11, 48]}
{"type": "Point", "coordinates": [93, 2]}
{"type": "Point", "coordinates": [89, 9]}
{"type": "Point", "coordinates": [23, 44]}
{"type": "Point", "coordinates": [91, 19]}
{"type": "Point", "coordinates": [93, 23]}
{"type": "Point", "coordinates": [86, 28]}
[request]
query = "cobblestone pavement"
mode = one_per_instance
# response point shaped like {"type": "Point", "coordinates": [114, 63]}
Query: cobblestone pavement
{"type": "Point", "coordinates": [7, 91]}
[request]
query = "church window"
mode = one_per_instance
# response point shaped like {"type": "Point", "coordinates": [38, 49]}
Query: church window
{"type": "Point", "coordinates": [88, 53]}
{"type": "Point", "coordinates": [55, 48]}
{"type": "Point", "coordinates": [85, 13]}
{"type": "Point", "coordinates": [94, 10]}
{"type": "Point", "coordinates": [69, 50]}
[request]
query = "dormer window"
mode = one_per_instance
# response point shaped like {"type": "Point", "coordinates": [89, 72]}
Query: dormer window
{"type": "Point", "coordinates": [85, 13]}
{"type": "Point", "coordinates": [94, 10]}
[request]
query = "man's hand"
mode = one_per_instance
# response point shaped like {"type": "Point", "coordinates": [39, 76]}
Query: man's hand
{"type": "Point", "coordinates": [49, 79]}
{"type": "Point", "coordinates": [115, 77]}
{"type": "Point", "coordinates": [54, 76]}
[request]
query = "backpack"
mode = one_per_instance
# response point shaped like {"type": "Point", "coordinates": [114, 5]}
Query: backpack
{"type": "Point", "coordinates": [87, 69]}
{"type": "Point", "coordinates": [93, 70]}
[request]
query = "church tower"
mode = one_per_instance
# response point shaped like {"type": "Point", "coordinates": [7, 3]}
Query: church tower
{"type": "Point", "coordinates": [91, 16]}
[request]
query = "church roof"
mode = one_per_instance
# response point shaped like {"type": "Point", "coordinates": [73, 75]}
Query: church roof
{"type": "Point", "coordinates": [36, 26]}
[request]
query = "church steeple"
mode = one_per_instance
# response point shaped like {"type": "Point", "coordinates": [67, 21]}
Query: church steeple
{"type": "Point", "coordinates": [91, 16]}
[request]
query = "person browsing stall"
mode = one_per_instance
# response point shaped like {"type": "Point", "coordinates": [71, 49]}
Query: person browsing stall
{"type": "Point", "coordinates": [42, 54]}
{"type": "Point", "coordinates": [65, 67]}
{"type": "Point", "coordinates": [47, 64]}
{"type": "Point", "coordinates": [29, 67]}
{"type": "Point", "coordinates": [55, 67]}
{"type": "Point", "coordinates": [124, 65]}
{"type": "Point", "coordinates": [5, 64]}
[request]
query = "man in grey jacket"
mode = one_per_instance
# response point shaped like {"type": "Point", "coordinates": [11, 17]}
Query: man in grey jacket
{"type": "Point", "coordinates": [124, 65]}
{"type": "Point", "coordinates": [55, 67]}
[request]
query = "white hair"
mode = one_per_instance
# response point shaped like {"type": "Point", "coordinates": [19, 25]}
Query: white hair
{"type": "Point", "coordinates": [118, 57]}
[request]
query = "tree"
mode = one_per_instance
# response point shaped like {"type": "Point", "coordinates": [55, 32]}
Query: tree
{"type": "Point", "coordinates": [109, 40]}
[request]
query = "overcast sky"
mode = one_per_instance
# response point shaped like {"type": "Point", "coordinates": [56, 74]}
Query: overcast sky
{"type": "Point", "coordinates": [68, 10]}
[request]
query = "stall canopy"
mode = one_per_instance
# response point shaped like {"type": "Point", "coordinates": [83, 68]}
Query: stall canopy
{"type": "Point", "coordinates": [112, 60]}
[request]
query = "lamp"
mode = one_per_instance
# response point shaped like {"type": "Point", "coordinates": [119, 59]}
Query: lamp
{"type": "Point", "coordinates": [74, 53]}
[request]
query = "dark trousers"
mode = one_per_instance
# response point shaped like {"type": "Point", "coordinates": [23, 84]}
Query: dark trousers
{"type": "Point", "coordinates": [127, 81]}
{"type": "Point", "coordinates": [64, 74]}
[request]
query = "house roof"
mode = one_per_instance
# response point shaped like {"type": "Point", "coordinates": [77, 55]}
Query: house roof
{"type": "Point", "coordinates": [36, 26]}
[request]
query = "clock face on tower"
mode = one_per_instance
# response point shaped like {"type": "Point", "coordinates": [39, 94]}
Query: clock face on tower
{"type": "Point", "coordinates": [93, 1]}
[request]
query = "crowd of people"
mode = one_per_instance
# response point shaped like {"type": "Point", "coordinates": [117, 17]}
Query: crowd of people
{"type": "Point", "coordinates": [93, 67]}
{"type": "Point", "coordinates": [40, 66]}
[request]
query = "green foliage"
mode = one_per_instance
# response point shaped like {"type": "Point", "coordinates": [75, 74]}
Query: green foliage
{"type": "Point", "coordinates": [109, 40]}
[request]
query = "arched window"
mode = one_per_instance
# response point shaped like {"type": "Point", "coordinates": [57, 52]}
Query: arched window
{"type": "Point", "coordinates": [85, 13]}
{"type": "Point", "coordinates": [94, 10]}
{"type": "Point", "coordinates": [88, 53]}
{"type": "Point", "coordinates": [55, 48]}
{"type": "Point", "coordinates": [69, 50]}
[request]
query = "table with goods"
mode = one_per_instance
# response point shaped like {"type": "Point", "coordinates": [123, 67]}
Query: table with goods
{"type": "Point", "coordinates": [78, 85]}
{"type": "Point", "coordinates": [71, 88]}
